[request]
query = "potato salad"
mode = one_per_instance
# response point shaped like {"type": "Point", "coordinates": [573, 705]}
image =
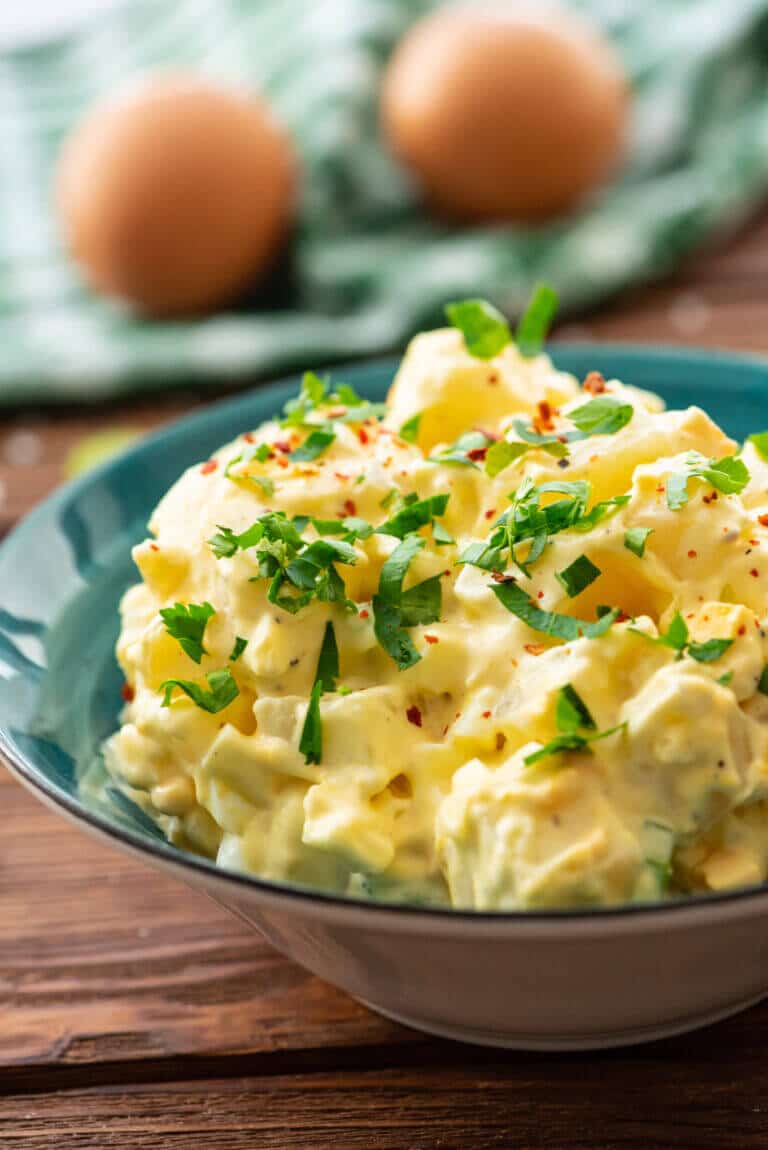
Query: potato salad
{"type": "Point", "coordinates": [499, 643]}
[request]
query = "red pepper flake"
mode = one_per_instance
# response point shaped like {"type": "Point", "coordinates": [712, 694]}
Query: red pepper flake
{"type": "Point", "coordinates": [540, 595]}
{"type": "Point", "coordinates": [742, 630]}
{"type": "Point", "coordinates": [692, 554]}
{"type": "Point", "coordinates": [350, 507]}
{"type": "Point", "coordinates": [128, 693]}
{"type": "Point", "coordinates": [446, 572]}
{"type": "Point", "coordinates": [710, 498]}
{"type": "Point", "coordinates": [486, 714]}
{"type": "Point", "coordinates": [248, 437]}
{"type": "Point", "coordinates": [282, 462]}
{"type": "Point", "coordinates": [763, 520]}
{"type": "Point", "coordinates": [458, 715]}
{"type": "Point", "coordinates": [154, 547]}
{"type": "Point", "coordinates": [754, 542]}
{"type": "Point", "coordinates": [337, 412]}
{"type": "Point", "coordinates": [413, 715]}
{"type": "Point", "coordinates": [340, 475]}
{"type": "Point", "coordinates": [594, 383]}
{"type": "Point", "coordinates": [493, 377]}
{"type": "Point", "coordinates": [208, 467]}
{"type": "Point", "coordinates": [477, 453]}
{"type": "Point", "coordinates": [535, 648]}
{"type": "Point", "coordinates": [282, 445]}
{"type": "Point", "coordinates": [620, 618]}
{"type": "Point", "coordinates": [490, 513]}
{"type": "Point", "coordinates": [755, 573]}
{"type": "Point", "coordinates": [363, 614]}
{"type": "Point", "coordinates": [690, 615]}
{"type": "Point", "coordinates": [660, 489]}
{"type": "Point", "coordinates": [362, 435]}
{"type": "Point", "coordinates": [501, 739]}
{"type": "Point", "coordinates": [705, 618]}
{"type": "Point", "coordinates": [542, 420]}
{"type": "Point", "coordinates": [432, 638]}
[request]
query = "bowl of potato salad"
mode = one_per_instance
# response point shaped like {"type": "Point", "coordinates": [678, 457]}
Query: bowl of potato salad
{"type": "Point", "coordinates": [451, 676]}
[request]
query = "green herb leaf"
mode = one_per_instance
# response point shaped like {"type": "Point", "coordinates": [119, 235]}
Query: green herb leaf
{"type": "Point", "coordinates": [676, 635]}
{"type": "Point", "coordinates": [569, 742]}
{"type": "Point", "coordinates": [571, 712]}
{"type": "Point", "coordinates": [460, 453]}
{"type": "Point", "coordinates": [512, 596]}
{"type": "Point", "coordinates": [725, 679]}
{"type": "Point", "coordinates": [709, 651]}
{"type": "Point", "coordinates": [603, 415]}
{"type": "Point", "coordinates": [223, 690]}
{"type": "Point", "coordinates": [328, 662]}
{"type": "Point", "coordinates": [237, 650]}
{"type": "Point", "coordinates": [536, 320]}
{"type": "Point", "coordinates": [396, 610]}
{"type": "Point", "coordinates": [351, 527]}
{"type": "Point", "coordinates": [392, 635]}
{"type": "Point", "coordinates": [186, 623]}
{"type": "Point", "coordinates": [485, 330]}
{"type": "Point", "coordinates": [395, 567]}
{"type": "Point", "coordinates": [313, 446]}
{"type": "Point", "coordinates": [413, 516]}
{"type": "Point", "coordinates": [410, 429]}
{"type": "Point", "coordinates": [441, 537]}
{"type": "Point", "coordinates": [600, 512]}
{"type": "Point", "coordinates": [728, 475]}
{"type": "Point", "coordinates": [760, 441]}
{"type": "Point", "coordinates": [311, 741]}
{"type": "Point", "coordinates": [762, 682]}
{"type": "Point", "coordinates": [577, 576]}
{"type": "Point", "coordinates": [634, 539]}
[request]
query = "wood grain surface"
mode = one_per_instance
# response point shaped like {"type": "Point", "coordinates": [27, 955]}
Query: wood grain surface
{"type": "Point", "coordinates": [136, 1013]}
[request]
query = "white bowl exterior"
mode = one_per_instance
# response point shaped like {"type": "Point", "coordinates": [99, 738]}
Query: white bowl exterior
{"type": "Point", "coordinates": [561, 985]}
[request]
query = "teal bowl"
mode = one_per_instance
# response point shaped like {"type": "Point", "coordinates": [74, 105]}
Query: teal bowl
{"type": "Point", "coordinates": [62, 573]}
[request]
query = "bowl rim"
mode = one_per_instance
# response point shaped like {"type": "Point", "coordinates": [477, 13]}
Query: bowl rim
{"type": "Point", "coordinates": [169, 856]}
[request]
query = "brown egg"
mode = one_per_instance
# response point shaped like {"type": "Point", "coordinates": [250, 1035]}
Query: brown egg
{"type": "Point", "coordinates": [177, 196]}
{"type": "Point", "coordinates": [502, 111]}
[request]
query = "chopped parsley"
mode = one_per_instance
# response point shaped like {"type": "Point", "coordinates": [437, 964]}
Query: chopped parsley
{"type": "Point", "coordinates": [259, 452]}
{"type": "Point", "coordinates": [677, 638]}
{"type": "Point", "coordinates": [502, 454]}
{"type": "Point", "coordinates": [762, 682]}
{"type": "Point", "coordinates": [468, 448]}
{"type": "Point", "coordinates": [313, 446]}
{"type": "Point", "coordinates": [760, 443]}
{"type": "Point", "coordinates": [238, 648]}
{"type": "Point", "coordinates": [577, 576]}
{"type": "Point", "coordinates": [311, 741]}
{"type": "Point", "coordinates": [485, 330]}
{"type": "Point", "coordinates": [316, 393]}
{"type": "Point", "coordinates": [526, 521]}
{"type": "Point", "coordinates": [604, 415]}
{"type": "Point", "coordinates": [186, 622]}
{"type": "Point", "coordinates": [536, 320]}
{"type": "Point", "coordinates": [415, 513]}
{"type": "Point", "coordinates": [511, 596]}
{"type": "Point", "coordinates": [725, 679]}
{"type": "Point", "coordinates": [306, 570]}
{"type": "Point", "coordinates": [222, 691]}
{"type": "Point", "coordinates": [729, 475]}
{"type": "Point", "coordinates": [351, 527]}
{"type": "Point", "coordinates": [395, 610]}
{"type": "Point", "coordinates": [635, 538]}
{"type": "Point", "coordinates": [410, 429]}
{"type": "Point", "coordinates": [573, 718]}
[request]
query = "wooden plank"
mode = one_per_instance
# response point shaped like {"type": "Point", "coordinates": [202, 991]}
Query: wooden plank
{"type": "Point", "coordinates": [665, 1100]}
{"type": "Point", "coordinates": [103, 960]}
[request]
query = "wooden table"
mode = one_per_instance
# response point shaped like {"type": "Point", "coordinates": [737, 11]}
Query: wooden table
{"type": "Point", "coordinates": [136, 1013]}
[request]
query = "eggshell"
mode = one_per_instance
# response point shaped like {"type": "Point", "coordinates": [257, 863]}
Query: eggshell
{"type": "Point", "coordinates": [177, 195]}
{"type": "Point", "coordinates": [504, 111]}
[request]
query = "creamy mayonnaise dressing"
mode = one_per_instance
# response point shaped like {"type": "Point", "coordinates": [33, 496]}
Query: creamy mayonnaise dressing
{"type": "Point", "coordinates": [422, 791]}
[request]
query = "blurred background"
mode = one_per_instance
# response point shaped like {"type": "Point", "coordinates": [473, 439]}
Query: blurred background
{"type": "Point", "coordinates": [196, 195]}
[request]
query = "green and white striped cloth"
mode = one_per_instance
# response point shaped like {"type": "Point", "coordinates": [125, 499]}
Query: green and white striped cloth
{"type": "Point", "coordinates": [368, 266]}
